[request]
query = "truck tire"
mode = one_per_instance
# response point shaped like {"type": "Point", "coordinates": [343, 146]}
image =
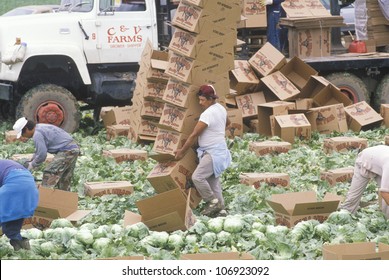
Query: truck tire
{"type": "Point", "coordinates": [48, 103]}
{"type": "Point", "coordinates": [350, 85]}
{"type": "Point", "coordinates": [382, 93]}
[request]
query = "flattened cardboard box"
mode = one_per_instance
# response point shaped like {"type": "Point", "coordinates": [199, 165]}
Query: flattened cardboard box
{"type": "Point", "coordinates": [267, 60]}
{"type": "Point", "coordinates": [327, 119]}
{"type": "Point", "coordinates": [270, 147]}
{"type": "Point", "coordinates": [280, 86]}
{"type": "Point", "coordinates": [342, 144]}
{"type": "Point", "coordinates": [180, 94]}
{"type": "Point", "coordinates": [236, 126]}
{"type": "Point", "coordinates": [168, 141]}
{"type": "Point", "coordinates": [384, 111]}
{"type": "Point", "coordinates": [170, 175]}
{"type": "Point", "coordinates": [360, 116]}
{"type": "Point", "coordinates": [116, 130]}
{"type": "Point", "coordinates": [249, 102]}
{"type": "Point", "coordinates": [167, 211]}
{"type": "Point", "coordinates": [271, 179]}
{"type": "Point", "coordinates": [292, 208]}
{"type": "Point", "coordinates": [108, 187]}
{"type": "Point", "coordinates": [333, 176]}
{"type": "Point", "coordinates": [125, 154]}
{"type": "Point", "coordinates": [54, 204]}
{"type": "Point", "coordinates": [243, 78]}
{"type": "Point", "coordinates": [288, 127]}
{"type": "Point", "coordinates": [356, 251]}
{"type": "Point", "coordinates": [298, 72]}
{"type": "Point", "coordinates": [217, 256]}
{"type": "Point", "coordinates": [268, 109]}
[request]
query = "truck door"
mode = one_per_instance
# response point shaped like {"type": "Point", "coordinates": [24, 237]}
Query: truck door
{"type": "Point", "coordinates": [122, 29]}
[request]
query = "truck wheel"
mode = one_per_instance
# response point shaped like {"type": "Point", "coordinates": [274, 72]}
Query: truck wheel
{"type": "Point", "coordinates": [382, 93]}
{"type": "Point", "coordinates": [51, 104]}
{"type": "Point", "coordinates": [352, 86]}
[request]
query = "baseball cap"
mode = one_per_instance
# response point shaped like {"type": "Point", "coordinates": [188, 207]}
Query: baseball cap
{"type": "Point", "coordinates": [19, 125]}
{"type": "Point", "coordinates": [207, 91]}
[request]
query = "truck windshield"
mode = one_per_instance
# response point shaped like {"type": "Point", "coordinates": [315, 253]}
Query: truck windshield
{"type": "Point", "coordinates": [76, 5]}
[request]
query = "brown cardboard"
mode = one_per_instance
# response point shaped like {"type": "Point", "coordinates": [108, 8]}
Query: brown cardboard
{"type": "Point", "coordinates": [116, 130]}
{"type": "Point", "coordinates": [152, 109]}
{"type": "Point", "coordinates": [314, 85]}
{"type": "Point", "coordinates": [304, 103]}
{"type": "Point", "coordinates": [10, 136]}
{"type": "Point", "coordinates": [272, 179]}
{"type": "Point", "coordinates": [108, 187]}
{"type": "Point", "coordinates": [384, 111]}
{"type": "Point", "coordinates": [168, 141]}
{"type": "Point", "coordinates": [267, 60]}
{"type": "Point", "coordinates": [327, 119]}
{"type": "Point", "coordinates": [54, 204]}
{"type": "Point", "coordinates": [148, 127]}
{"type": "Point", "coordinates": [269, 147]}
{"type": "Point", "coordinates": [360, 116]}
{"type": "Point", "coordinates": [217, 256]}
{"type": "Point", "coordinates": [309, 42]}
{"type": "Point", "coordinates": [170, 175]}
{"type": "Point", "coordinates": [337, 175]}
{"type": "Point", "coordinates": [117, 115]}
{"type": "Point", "coordinates": [248, 103]}
{"type": "Point", "coordinates": [180, 119]}
{"type": "Point", "coordinates": [298, 72]}
{"type": "Point", "coordinates": [296, 9]}
{"type": "Point", "coordinates": [24, 157]}
{"type": "Point", "coordinates": [288, 127]}
{"type": "Point", "coordinates": [356, 251]}
{"type": "Point", "coordinates": [343, 144]}
{"type": "Point", "coordinates": [243, 78]}
{"type": "Point", "coordinates": [292, 208]}
{"type": "Point", "coordinates": [153, 90]}
{"type": "Point", "coordinates": [167, 211]}
{"type": "Point", "coordinates": [180, 94]}
{"type": "Point", "coordinates": [280, 86]}
{"type": "Point", "coordinates": [125, 154]}
{"type": "Point", "coordinates": [254, 14]}
{"type": "Point", "coordinates": [268, 109]}
{"type": "Point", "coordinates": [235, 129]}
{"type": "Point", "coordinates": [331, 95]}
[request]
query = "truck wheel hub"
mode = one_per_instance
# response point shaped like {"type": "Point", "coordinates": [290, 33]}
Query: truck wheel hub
{"type": "Point", "coordinates": [51, 113]}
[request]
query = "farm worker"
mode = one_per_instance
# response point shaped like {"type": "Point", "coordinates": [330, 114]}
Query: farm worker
{"type": "Point", "coordinates": [214, 156]}
{"type": "Point", "coordinates": [372, 162]}
{"type": "Point", "coordinates": [55, 140]}
{"type": "Point", "coordinates": [273, 31]}
{"type": "Point", "coordinates": [18, 200]}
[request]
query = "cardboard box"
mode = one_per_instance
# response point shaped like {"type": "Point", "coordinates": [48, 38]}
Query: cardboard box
{"type": "Point", "coordinates": [153, 90]}
{"type": "Point", "coordinates": [125, 154]}
{"type": "Point", "coordinates": [298, 72]}
{"type": "Point", "coordinates": [288, 127]}
{"type": "Point", "coordinates": [171, 175]}
{"type": "Point", "coordinates": [54, 204]}
{"type": "Point", "coordinates": [152, 109]}
{"type": "Point", "coordinates": [108, 187]}
{"type": "Point", "coordinates": [270, 147]}
{"type": "Point", "coordinates": [356, 251]}
{"type": "Point", "coordinates": [168, 141]}
{"type": "Point", "coordinates": [384, 111]}
{"type": "Point", "coordinates": [180, 119]}
{"type": "Point", "coordinates": [253, 16]}
{"type": "Point", "coordinates": [243, 78]}
{"type": "Point", "coordinates": [314, 85]}
{"type": "Point", "coordinates": [327, 119]}
{"type": "Point", "coordinates": [248, 103]}
{"type": "Point", "coordinates": [10, 136]}
{"type": "Point", "coordinates": [271, 179]}
{"type": "Point", "coordinates": [360, 116]}
{"type": "Point", "coordinates": [268, 109]}
{"type": "Point", "coordinates": [309, 42]}
{"type": "Point", "coordinates": [331, 95]}
{"type": "Point", "coordinates": [333, 176]}
{"type": "Point", "coordinates": [235, 129]}
{"type": "Point", "coordinates": [117, 115]}
{"type": "Point", "coordinates": [304, 103]}
{"type": "Point", "coordinates": [25, 157]}
{"type": "Point", "coordinates": [343, 144]}
{"type": "Point", "coordinates": [167, 211]}
{"type": "Point", "coordinates": [280, 86]}
{"type": "Point", "coordinates": [148, 127]}
{"type": "Point", "coordinates": [116, 130]}
{"type": "Point", "coordinates": [267, 60]}
{"type": "Point", "coordinates": [217, 256]}
{"type": "Point", "coordinates": [180, 94]}
{"type": "Point", "coordinates": [292, 208]}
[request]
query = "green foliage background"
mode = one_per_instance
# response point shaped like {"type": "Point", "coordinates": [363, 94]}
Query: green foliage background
{"type": "Point", "coordinates": [5, 6]}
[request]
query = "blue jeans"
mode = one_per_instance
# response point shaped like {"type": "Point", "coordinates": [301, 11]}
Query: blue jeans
{"type": "Point", "coordinates": [273, 30]}
{"type": "Point", "coordinates": [12, 229]}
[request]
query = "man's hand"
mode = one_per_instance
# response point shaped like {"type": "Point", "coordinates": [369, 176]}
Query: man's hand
{"type": "Point", "coordinates": [179, 154]}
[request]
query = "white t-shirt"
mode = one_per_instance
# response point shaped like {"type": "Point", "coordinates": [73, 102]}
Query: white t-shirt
{"type": "Point", "coordinates": [215, 116]}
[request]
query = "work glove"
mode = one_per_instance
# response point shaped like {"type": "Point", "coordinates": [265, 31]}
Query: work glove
{"type": "Point", "coordinates": [28, 165]}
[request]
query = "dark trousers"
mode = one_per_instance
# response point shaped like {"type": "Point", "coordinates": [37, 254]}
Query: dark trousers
{"type": "Point", "coordinates": [12, 229]}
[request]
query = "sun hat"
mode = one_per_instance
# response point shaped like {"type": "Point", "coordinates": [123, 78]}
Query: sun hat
{"type": "Point", "coordinates": [207, 91]}
{"type": "Point", "coordinates": [19, 125]}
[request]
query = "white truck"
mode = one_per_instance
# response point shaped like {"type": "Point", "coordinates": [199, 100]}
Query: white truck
{"type": "Point", "coordinates": [86, 51]}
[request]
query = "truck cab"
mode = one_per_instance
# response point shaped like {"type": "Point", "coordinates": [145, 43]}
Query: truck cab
{"type": "Point", "coordinates": [87, 52]}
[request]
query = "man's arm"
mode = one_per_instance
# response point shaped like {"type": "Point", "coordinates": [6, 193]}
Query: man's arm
{"type": "Point", "coordinates": [199, 128]}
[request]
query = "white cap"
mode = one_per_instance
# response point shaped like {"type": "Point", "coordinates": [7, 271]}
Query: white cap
{"type": "Point", "coordinates": [19, 125]}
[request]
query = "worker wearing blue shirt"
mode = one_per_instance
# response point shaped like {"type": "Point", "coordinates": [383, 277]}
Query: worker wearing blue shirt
{"type": "Point", "coordinates": [273, 10]}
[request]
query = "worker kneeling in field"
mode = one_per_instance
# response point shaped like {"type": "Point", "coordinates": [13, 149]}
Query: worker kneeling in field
{"type": "Point", "coordinates": [372, 162]}
{"type": "Point", "coordinates": [214, 156]}
{"type": "Point", "coordinates": [49, 138]}
{"type": "Point", "coordinates": [18, 200]}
